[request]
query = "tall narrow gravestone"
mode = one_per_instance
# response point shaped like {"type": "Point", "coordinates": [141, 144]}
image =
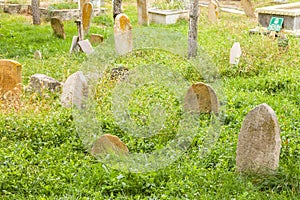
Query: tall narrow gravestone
{"type": "Point", "coordinates": [75, 90]}
{"type": "Point", "coordinates": [259, 142]}
{"type": "Point", "coordinates": [58, 27]}
{"type": "Point", "coordinates": [87, 17]}
{"type": "Point", "coordinates": [201, 98]}
{"type": "Point", "coordinates": [10, 79]}
{"type": "Point", "coordinates": [142, 12]}
{"type": "Point", "coordinates": [235, 53]}
{"type": "Point", "coordinates": [123, 34]}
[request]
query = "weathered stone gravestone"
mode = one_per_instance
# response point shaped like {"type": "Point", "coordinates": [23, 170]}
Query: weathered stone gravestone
{"type": "Point", "coordinates": [142, 12]}
{"type": "Point", "coordinates": [74, 46]}
{"type": "Point", "coordinates": [81, 4]}
{"type": "Point", "coordinates": [58, 27]}
{"type": "Point", "coordinates": [259, 142]}
{"type": "Point", "coordinates": [201, 98]}
{"type": "Point", "coordinates": [235, 53]}
{"type": "Point", "coordinates": [10, 80]}
{"type": "Point", "coordinates": [86, 46]}
{"type": "Point", "coordinates": [75, 90]}
{"type": "Point", "coordinates": [96, 38]}
{"type": "Point", "coordinates": [87, 17]}
{"type": "Point", "coordinates": [213, 10]}
{"type": "Point", "coordinates": [109, 144]}
{"type": "Point", "coordinates": [248, 8]}
{"type": "Point", "coordinates": [123, 34]}
{"type": "Point", "coordinates": [40, 82]}
{"type": "Point", "coordinates": [37, 55]}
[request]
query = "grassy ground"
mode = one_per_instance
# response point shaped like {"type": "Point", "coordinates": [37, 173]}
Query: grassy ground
{"type": "Point", "coordinates": [42, 156]}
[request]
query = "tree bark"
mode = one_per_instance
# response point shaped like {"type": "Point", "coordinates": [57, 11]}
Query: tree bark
{"type": "Point", "coordinates": [36, 16]}
{"type": "Point", "coordinates": [193, 29]}
{"type": "Point", "coordinates": [117, 7]}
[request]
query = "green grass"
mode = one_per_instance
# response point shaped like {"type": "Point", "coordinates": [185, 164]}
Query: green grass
{"type": "Point", "coordinates": [42, 156]}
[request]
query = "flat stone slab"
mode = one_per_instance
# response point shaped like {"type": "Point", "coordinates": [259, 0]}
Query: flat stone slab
{"type": "Point", "coordinates": [166, 16]}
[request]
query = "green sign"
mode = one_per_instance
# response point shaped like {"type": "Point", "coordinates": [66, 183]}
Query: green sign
{"type": "Point", "coordinates": [275, 24]}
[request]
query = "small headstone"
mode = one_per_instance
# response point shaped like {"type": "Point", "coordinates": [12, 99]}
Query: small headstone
{"type": "Point", "coordinates": [58, 27]}
{"type": "Point", "coordinates": [87, 17]}
{"type": "Point", "coordinates": [37, 55]}
{"type": "Point", "coordinates": [235, 53]}
{"type": "Point", "coordinates": [142, 9]}
{"type": "Point", "coordinates": [109, 144]}
{"type": "Point", "coordinates": [96, 39]}
{"type": "Point", "coordinates": [123, 34]}
{"type": "Point", "coordinates": [259, 142]}
{"type": "Point", "coordinates": [10, 79]}
{"type": "Point", "coordinates": [75, 90]}
{"type": "Point", "coordinates": [74, 46]}
{"type": "Point", "coordinates": [248, 8]}
{"type": "Point", "coordinates": [40, 82]}
{"type": "Point", "coordinates": [201, 98]}
{"type": "Point", "coordinates": [213, 10]}
{"type": "Point", "coordinates": [86, 46]}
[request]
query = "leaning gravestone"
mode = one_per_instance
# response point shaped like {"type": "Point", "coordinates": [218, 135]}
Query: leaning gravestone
{"type": "Point", "coordinates": [74, 45]}
{"type": "Point", "coordinates": [213, 11]}
{"type": "Point", "coordinates": [248, 8]}
{"type": "Point", "coordinates": [109, 144]}
{"type": "Point", "coordinates": [58, 27]}
{"type": "Point", "coordinates": [259, 142]}
{"type": "Point", "coordinates": [235, 53]}
{"type": "Point", "coordinates": [86, 46]}
{"type": "Point", "coordinates": [10, 79]}
{"type": "Point", "coordinates": [123, 34]}
{"type": "Point", "coordinates": [86, 17]}
{"type": "Point", "coordinates": [75, 90]}
{"type": "Point", "coordinates": [201, 98]}
{"type": "Point", "coordinates": [142, 9]}
{"type": "Point", "coordinates": [40, 82]}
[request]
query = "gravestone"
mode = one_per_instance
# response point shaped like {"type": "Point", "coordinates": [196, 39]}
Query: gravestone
{"type": "Point", "coordinates": [86, 46]}
{"type": "Point", "coordinates": [37, 55]}
{"type": "Point", "coordinates": [75, 90]}
{"type": "Point", "coordinates": [235, 54]}
{"type": "Point", "coordinates": [123, 34]}
{"type": "Point", "coordinates": [40, 82]}
{"type": "Point", "coordinates": [201, 98]}
{"type": "Point", "coordinates": [81, 4]}
{"type": "Point", "coordinates": [87, 17]}
{"type": "Point", "coordinates": [248, 8]}
{"type": "Point", "coordinates": [142, 9]}
{"type": "Point", "coordinates": [109, 144]}
{"type": "Point", "coordinates": [96, 39]}
{"type": "Point", "coordinates": [10, 79]}
{"type": "Point", "coordinates": [213, 10]}
{"type": "Point", "coordinates": [58, 27]}
{"type": "Point", "coordinates": [259, 142]}
{"type": "Point", "coordinates": [74, 46]}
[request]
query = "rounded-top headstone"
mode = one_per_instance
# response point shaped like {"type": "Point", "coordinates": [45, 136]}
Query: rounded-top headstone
{"type": "Point", "coordinates": [87, 17]}
{"type": "Point", "coordinates": [58, 27]}
{"type": "Point", "coordinates": [201, 98]}
{"type": "Point", "coordinates": [259, 142]}
{"type": "Point", "coordinates": [123, 34]}
{"type": "Point", "coordinates": [109, 144]}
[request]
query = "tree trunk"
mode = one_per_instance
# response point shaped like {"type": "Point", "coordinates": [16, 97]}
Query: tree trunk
{"type": "Point", "coordinates": [193, 29]}
{"type": "Point", "coordinates": [36, 12]}
{"type": "Point", "coordinates": [117, 7]}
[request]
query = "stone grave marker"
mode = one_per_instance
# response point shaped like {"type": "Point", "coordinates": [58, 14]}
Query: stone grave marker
{"type": "Point", "coordinates": [259, 142]}
{"type": "Point", "coordinates": [81, 4]}
{"type": "Point", "coordinates": [142, 9]}
{"type": "Point", "coordinates": [58, 27]}
{"type": "Point", "coordinates": [248, 8]}
{"type": "Point", "coordinates": [109, 144]}
{"type": "Point", "coordinates": [123, 34]}
{"type": "Point", "coordinates": [96, 39]}
{"type": "Point", "coordinates": [40, 82]}
{"type": "Point", "coordinates": [86, 17]}
{"type": "Point", "coordinates": [86, 46]}
{"type": "Point", "coordinates": [213, 10]}
{"type": "Point", "coordinates": [37, 55]}
{"type": "Point", "coordinates": [235, 54]}
{"type": "Point", "coordinates": [74, 46]}
{"type": "Point", "coordinates": [75, 90]}
{"type": "Point", "coordinates": [10, 79]}
{"type": "Point", "coordinates": [201, 98]}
